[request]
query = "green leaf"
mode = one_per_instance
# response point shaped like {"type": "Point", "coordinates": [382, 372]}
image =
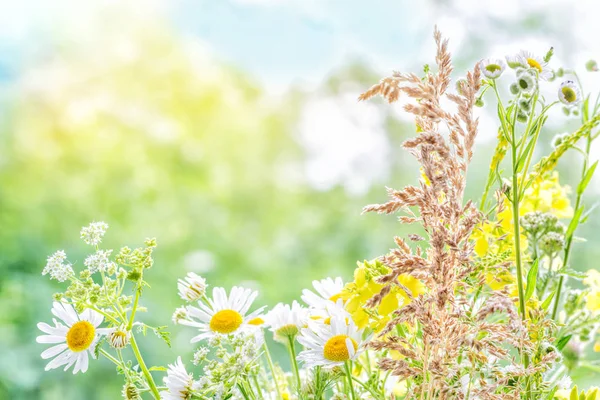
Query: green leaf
{"type": "Point", "coordinates": [574, 222]}
{"type": "Point", "coordinates": [531, 280]}
{"type": "Point", "coordinates": [164, 335]}
{"type": "Point", "coordinates": [572, 273]}
{"type": "Point", "coordinates": [585, 114]}
{"type": "Point", "coordinates": [586, 179]}
{"type": "Point", "coordinates": [548, 301]}
{"type": "Point", "coordinates": [562, 342]}
{"type": "Point", "coordinates": [99, 345]}
{"type": "Point", "coordinates": [525, 154]}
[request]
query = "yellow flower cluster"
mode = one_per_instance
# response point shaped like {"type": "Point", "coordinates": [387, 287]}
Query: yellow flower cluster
{"type": "Point", "coordinates": [494, 239]}
{"type": "Point", "coordinates": [355, 294]}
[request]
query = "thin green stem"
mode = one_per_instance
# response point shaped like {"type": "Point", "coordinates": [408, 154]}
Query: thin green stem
{"type": "Point", "coordinates": [146, 372]}
{"type": "Point", "coordinates": [111, 358]}
{"type": "Point", "coordinates": [569, 239]}
{"type": "Point", "coordinates": [293, 361]}
{"type": "Point", "coordinates": [272, 369]}
{"type": "Point", "coordinates": [134, 309]}
{"type": "Point", "coordinates": [348, 369]}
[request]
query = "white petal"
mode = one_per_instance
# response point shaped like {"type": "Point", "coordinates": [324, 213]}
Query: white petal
{"type": "Point", "coordinates": [53, 351]}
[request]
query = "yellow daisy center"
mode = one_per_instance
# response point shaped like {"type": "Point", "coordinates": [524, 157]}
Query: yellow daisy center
{"type": "Point", "coordinates": [336, 350]}
{"type": "Point", "coordinates": [80, 336]}
{"type": "Point", "coordinates": [569, 94]}
{"type": "Point", "coordinates": [256, 321]}
{"type": "Point", "coordinates": [225, 321]}
{"type": "Point", "coordinates": [533, 63]}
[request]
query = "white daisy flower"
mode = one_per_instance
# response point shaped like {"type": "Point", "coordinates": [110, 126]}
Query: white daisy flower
{"type": "Point", "coordinates": [328, 291]}
{"type": "Point", "coordinates": [529, 60]}
{"type": "Point", "coordinates": [179, 383]}
{"type": "Point", "coordinates": [192, 287]}
{"type": "Point", "coordinates": [330, 345]}
{"type": "Point", "coordinates": [222, 315]}
{"type": "Point", "coordinates": [73, 340]}
{"type": "Point", "coordinates": [285, 321]}
{"type": "Point", "coordinates": [492, 68]}
{"type": "Point", "coordinates": [569, 94]}
{"type": "Point", "coordinates": [331, 310]}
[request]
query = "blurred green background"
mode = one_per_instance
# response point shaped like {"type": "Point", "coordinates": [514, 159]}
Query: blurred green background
{"type": "Point", "coordinates": [231, 132]}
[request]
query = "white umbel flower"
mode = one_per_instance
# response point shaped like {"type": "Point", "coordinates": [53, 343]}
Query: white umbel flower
{"type": "Point", "coordinates": [179, 383]}
{"type": "Point", "coordinates": [285, 321]}
{"type": "Point", "coordinates": [93, 233]}
{"type": "Point", "coordinates": [57, 268]}
{"type": "Point", "coordinates": [73, 340]}
{"type": "Point", "coordinates": [569, 93]}
{"type": "Point", "coordinates": [192, 287]}
{"type": "Point", "coordinates": [328, 291]}
{"type": "Point", "coordinates": [330, 345]}
{"type": "Point", "coordinates": [98, 262]}
{"type": "Point", "coordinates": [492, 68]}
{"type": "Point", "coordinates": [223, 314]}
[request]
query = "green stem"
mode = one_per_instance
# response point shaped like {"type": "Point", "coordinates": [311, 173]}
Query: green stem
{"type": "Point", "coordinates": [569, 240]}
{"type": "Point", "coordinates": [111, 358]}
{"type": "Point", "coordinates": [272, 368]}
{"type": "Point", "coordinates": [293, 361]}
{"type": "Point", "coordinates": [348, 369]}
{"type": "Point", "coordinates": [147, 374]}
{"type": "Point", "coordinates": [134, 309]}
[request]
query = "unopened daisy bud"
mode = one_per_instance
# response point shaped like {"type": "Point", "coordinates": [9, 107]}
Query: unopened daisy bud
{"type": "Point", "coordinates": [130, 392]}
{"type": "Point", "coordinates": [492, 68]}
{"type": "Point", "coordinates": [522, 117]}
{"type": "Point", "coordinates": [514, 88]}
{"type": "Point", "coordinates": [591, 66]}
{"type": "Point", "coordinates": [525, 105]}
{"type": "Point", "coordinates": [526, 82]}
{"type": "Point", "coordinates": [119, 337]}
{"type": "Point", "coordinates": [179, 315]}
{"type": "Point", "coordinates": [479, 102]}
{"type": "Point", "coordinates": [192, 287]}
{"type": "Point", "coordinates": [568, 93]}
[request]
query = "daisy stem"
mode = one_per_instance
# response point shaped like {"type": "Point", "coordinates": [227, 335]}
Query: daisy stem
{"type": "Point", "coordinates": [292, 349]}
{"type": "Point", "coordinates": [111, 358]}
{"type": "Point", "coordinates": [147, 374]}
{"type": "Point", "coordinates": [134, 309]}
{"type": "Point", "coordinates": [348, 369]}
{"type": "Point", "coordinates": [272, 368]}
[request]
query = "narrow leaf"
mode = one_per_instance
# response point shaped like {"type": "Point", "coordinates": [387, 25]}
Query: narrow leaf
{"type": "Point", "coordinates": [531, 280]}
{"type": "Point", "coordinates": [562, 342]}
{"type": "Point", "coordinates": [548, 301]}
{"type": "Point", "coordinates": [574, 222]}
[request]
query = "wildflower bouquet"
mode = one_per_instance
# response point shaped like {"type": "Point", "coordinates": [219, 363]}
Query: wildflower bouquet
{"type": "Point", "coordinates": [477, 306]}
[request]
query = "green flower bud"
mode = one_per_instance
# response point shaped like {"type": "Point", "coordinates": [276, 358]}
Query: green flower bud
{"type": "Point", "coordinates": [591, 66]}
{"type": "Point", "coordinates": [479, 102]}
{"type": "Point", "coordinates": [514, 88]}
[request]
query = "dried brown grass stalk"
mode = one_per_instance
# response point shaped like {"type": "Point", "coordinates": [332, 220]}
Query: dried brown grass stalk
{"type": "Point", "coordinates": [452, 324]}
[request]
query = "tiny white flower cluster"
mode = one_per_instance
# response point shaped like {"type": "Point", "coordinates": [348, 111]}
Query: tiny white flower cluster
{"type": "Point", "coordinates": [98, 262]}
{"type": "Point", "coordinates": [57, 268]}
{"type": "Point", "coordinates": [93, 233]}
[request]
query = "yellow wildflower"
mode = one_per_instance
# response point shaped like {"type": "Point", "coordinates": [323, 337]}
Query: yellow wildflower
{"type": "Point", "coordinates": [547, 195]}
{"type": "Point", "coordinates": [356, 294]}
